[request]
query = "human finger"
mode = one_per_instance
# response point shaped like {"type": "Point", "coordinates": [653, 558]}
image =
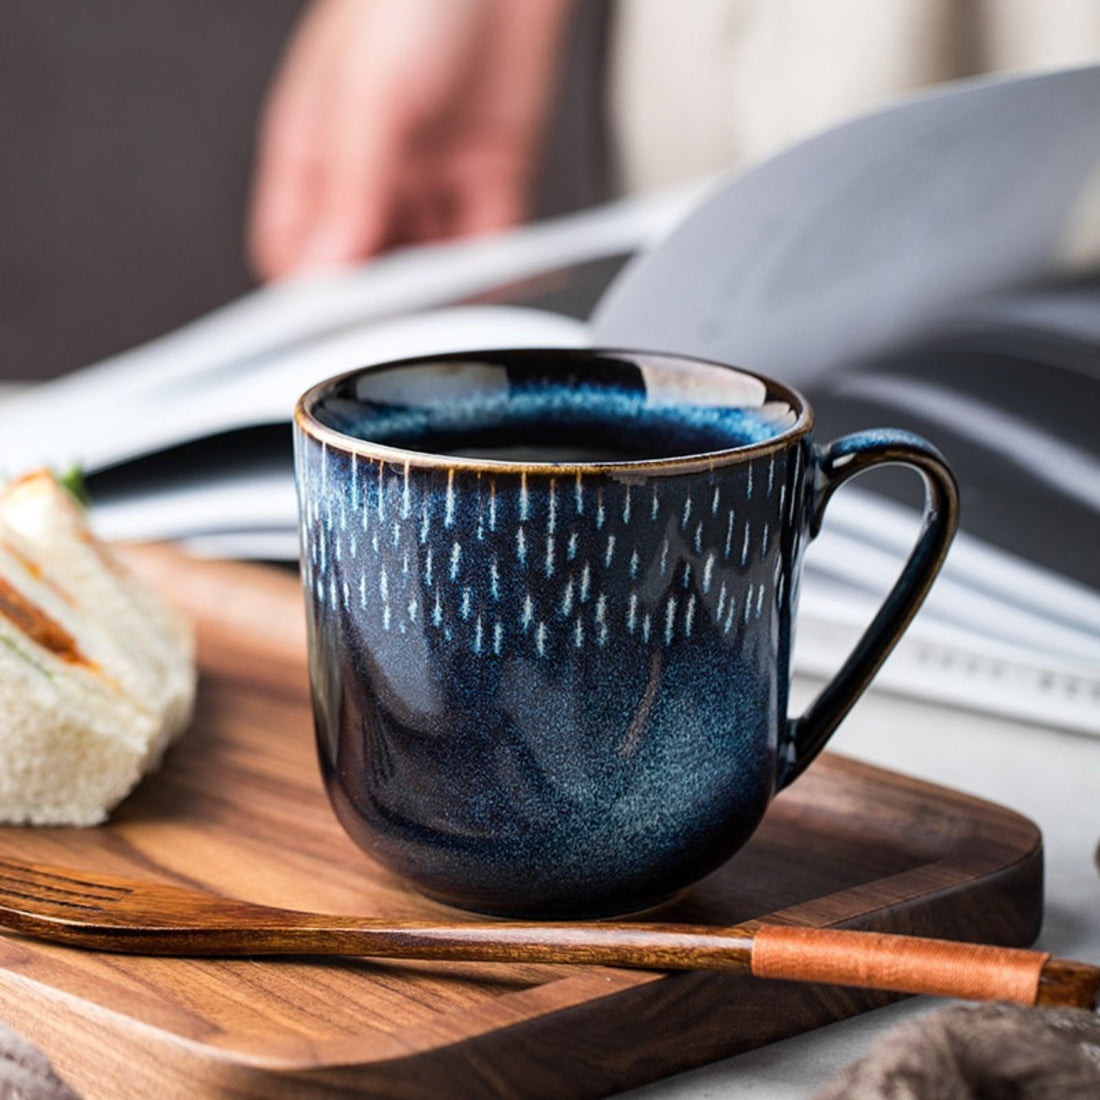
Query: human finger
{"type": "Point", "coordinates": [290, 143]}
{"type": "Point", "coordinates": [404, 67]}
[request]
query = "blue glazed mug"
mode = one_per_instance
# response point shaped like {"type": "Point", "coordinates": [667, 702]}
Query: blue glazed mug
{"type": "Point", "coordinates": [550, 599]}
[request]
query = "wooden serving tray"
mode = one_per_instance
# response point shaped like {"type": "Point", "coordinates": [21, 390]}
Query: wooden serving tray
{"type": "Point", "coordinates": [238, 807]}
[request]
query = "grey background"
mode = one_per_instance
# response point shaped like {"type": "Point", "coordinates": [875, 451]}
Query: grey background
{"type": "Point", "coordinates": [127, 135]}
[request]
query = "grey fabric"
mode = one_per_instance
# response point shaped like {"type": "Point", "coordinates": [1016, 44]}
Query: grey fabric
{"type": "Point", "coordinates": [25, 1072]}
{"type": "Point", "coordinates": [987, 1052]}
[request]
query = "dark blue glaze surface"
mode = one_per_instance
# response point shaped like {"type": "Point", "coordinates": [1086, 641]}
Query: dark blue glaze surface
{"type": "Point", "coordinates": [555, 692]}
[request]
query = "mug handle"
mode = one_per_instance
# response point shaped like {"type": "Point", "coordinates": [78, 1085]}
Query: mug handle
{"type": "Point", "coordinates": [833, 465]}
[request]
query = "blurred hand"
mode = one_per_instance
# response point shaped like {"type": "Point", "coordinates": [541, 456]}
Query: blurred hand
{"type": "Point", "coordinates": [392, 121]}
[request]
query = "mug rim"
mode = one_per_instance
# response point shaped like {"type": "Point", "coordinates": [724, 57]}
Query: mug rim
{"type": "Point", "coordinates": [306, 422]}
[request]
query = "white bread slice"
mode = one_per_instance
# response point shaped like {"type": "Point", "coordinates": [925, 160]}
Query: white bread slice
{"type": "Point", "coordinates": [97, 673]}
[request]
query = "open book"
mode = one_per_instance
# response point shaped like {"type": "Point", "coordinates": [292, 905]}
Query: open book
{"type": "Point", "coordinates": [927, 266]}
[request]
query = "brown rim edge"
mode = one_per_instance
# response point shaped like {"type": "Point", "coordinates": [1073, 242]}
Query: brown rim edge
{"type": "Point", "coordinates": [308, 425]}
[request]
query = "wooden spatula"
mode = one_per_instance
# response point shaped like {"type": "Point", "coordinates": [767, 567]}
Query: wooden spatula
{"type": "Point", "coordinates": [108, 913]}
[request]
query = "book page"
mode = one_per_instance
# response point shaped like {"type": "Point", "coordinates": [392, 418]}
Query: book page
{"type": "Point", "coordinates": [275, 342]}
{"type": "Point", "coordinates": [854, 242]}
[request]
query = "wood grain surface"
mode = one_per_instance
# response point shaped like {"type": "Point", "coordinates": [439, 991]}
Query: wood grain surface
{"type": "Point", "coordinates": [238, 808]}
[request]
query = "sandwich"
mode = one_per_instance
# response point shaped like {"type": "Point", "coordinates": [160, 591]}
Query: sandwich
{"type": "Point", "coordinates": [97, 671]}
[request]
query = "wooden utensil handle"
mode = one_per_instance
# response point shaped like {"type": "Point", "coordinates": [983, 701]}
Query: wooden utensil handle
{"type": "Point", "coordinates": [911, 964]}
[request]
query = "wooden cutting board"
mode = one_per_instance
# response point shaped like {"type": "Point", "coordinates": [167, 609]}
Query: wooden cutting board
{"type": "Point", "coordinates": [238, 808]}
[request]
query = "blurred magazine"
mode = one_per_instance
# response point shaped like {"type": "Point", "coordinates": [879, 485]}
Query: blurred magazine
{"type": "Point", "coordinates": [926, 266]}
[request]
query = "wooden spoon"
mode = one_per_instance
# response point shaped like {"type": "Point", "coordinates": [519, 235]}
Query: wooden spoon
{"type": "Point", "coordinates": [108, 913]}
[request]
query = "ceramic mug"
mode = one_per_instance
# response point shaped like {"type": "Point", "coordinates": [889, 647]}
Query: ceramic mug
{"type": "Point", "coordinates": [550, 599]}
